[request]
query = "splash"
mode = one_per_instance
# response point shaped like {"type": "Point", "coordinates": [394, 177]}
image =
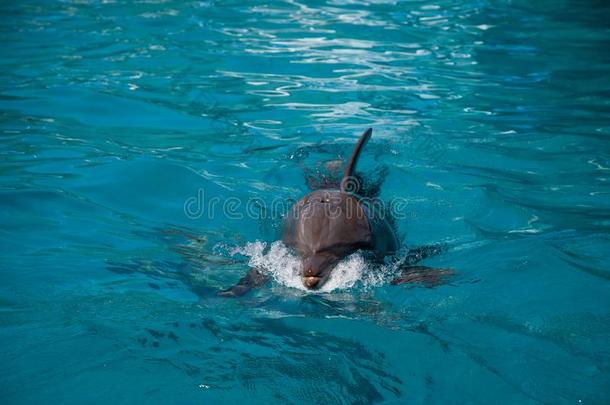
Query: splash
{"type": "Point", "coordinates": [284, 267]}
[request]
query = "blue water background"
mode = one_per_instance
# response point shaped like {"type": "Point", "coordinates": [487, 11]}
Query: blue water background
{"type": "Point", "coordinates": [492, 117]}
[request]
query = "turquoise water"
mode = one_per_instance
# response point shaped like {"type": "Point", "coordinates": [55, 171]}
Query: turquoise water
{"type": "Point", "coordinates": [492, 119]}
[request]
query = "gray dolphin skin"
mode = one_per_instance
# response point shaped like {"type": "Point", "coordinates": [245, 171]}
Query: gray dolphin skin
{"type": "Point", "coordinates": [326, 226]}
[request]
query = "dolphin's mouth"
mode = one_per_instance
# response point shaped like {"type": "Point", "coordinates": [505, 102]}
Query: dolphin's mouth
{"type": "Point", "coordinates": [311, 282]}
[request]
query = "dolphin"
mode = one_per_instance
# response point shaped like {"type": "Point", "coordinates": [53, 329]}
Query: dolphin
{"type": "Point", "coordinates": [327, 225]}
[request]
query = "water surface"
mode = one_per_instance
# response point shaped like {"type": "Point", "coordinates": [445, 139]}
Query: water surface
{"type": "Point", "coordinates": [492, 119]}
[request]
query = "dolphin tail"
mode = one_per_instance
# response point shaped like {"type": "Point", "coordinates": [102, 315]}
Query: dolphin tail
{"type": "Point", "coordinates": [351, 165]}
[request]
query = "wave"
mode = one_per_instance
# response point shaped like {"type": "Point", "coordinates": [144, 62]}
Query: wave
{"type": "Point", "coordinates": [277, 261]}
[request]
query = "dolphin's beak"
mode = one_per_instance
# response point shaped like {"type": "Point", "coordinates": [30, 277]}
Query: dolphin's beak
{"type": "Point", "coordinates": [311, 282]}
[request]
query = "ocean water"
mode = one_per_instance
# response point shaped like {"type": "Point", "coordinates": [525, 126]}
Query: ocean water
{"type": "Point", "coordinates": [123, 121]}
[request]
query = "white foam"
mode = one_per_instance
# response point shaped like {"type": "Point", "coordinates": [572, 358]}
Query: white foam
{"type": "Point", "coordinates": [284, 267]}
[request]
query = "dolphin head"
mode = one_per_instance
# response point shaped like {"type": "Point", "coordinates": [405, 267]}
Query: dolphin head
{"type": "Point", "coordinates": [325, 227]}
{"type": "Point", "coordinates": [316, 268]}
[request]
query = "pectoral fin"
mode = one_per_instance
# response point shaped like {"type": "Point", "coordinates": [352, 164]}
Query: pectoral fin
{"type": "Point", "coordinates": [428, 276]}
{"type": "Point", "coordinates": [253, 278]}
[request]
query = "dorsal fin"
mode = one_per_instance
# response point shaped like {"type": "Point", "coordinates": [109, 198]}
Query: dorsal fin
{"type": "Point", "coordinates": [351, 165]}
